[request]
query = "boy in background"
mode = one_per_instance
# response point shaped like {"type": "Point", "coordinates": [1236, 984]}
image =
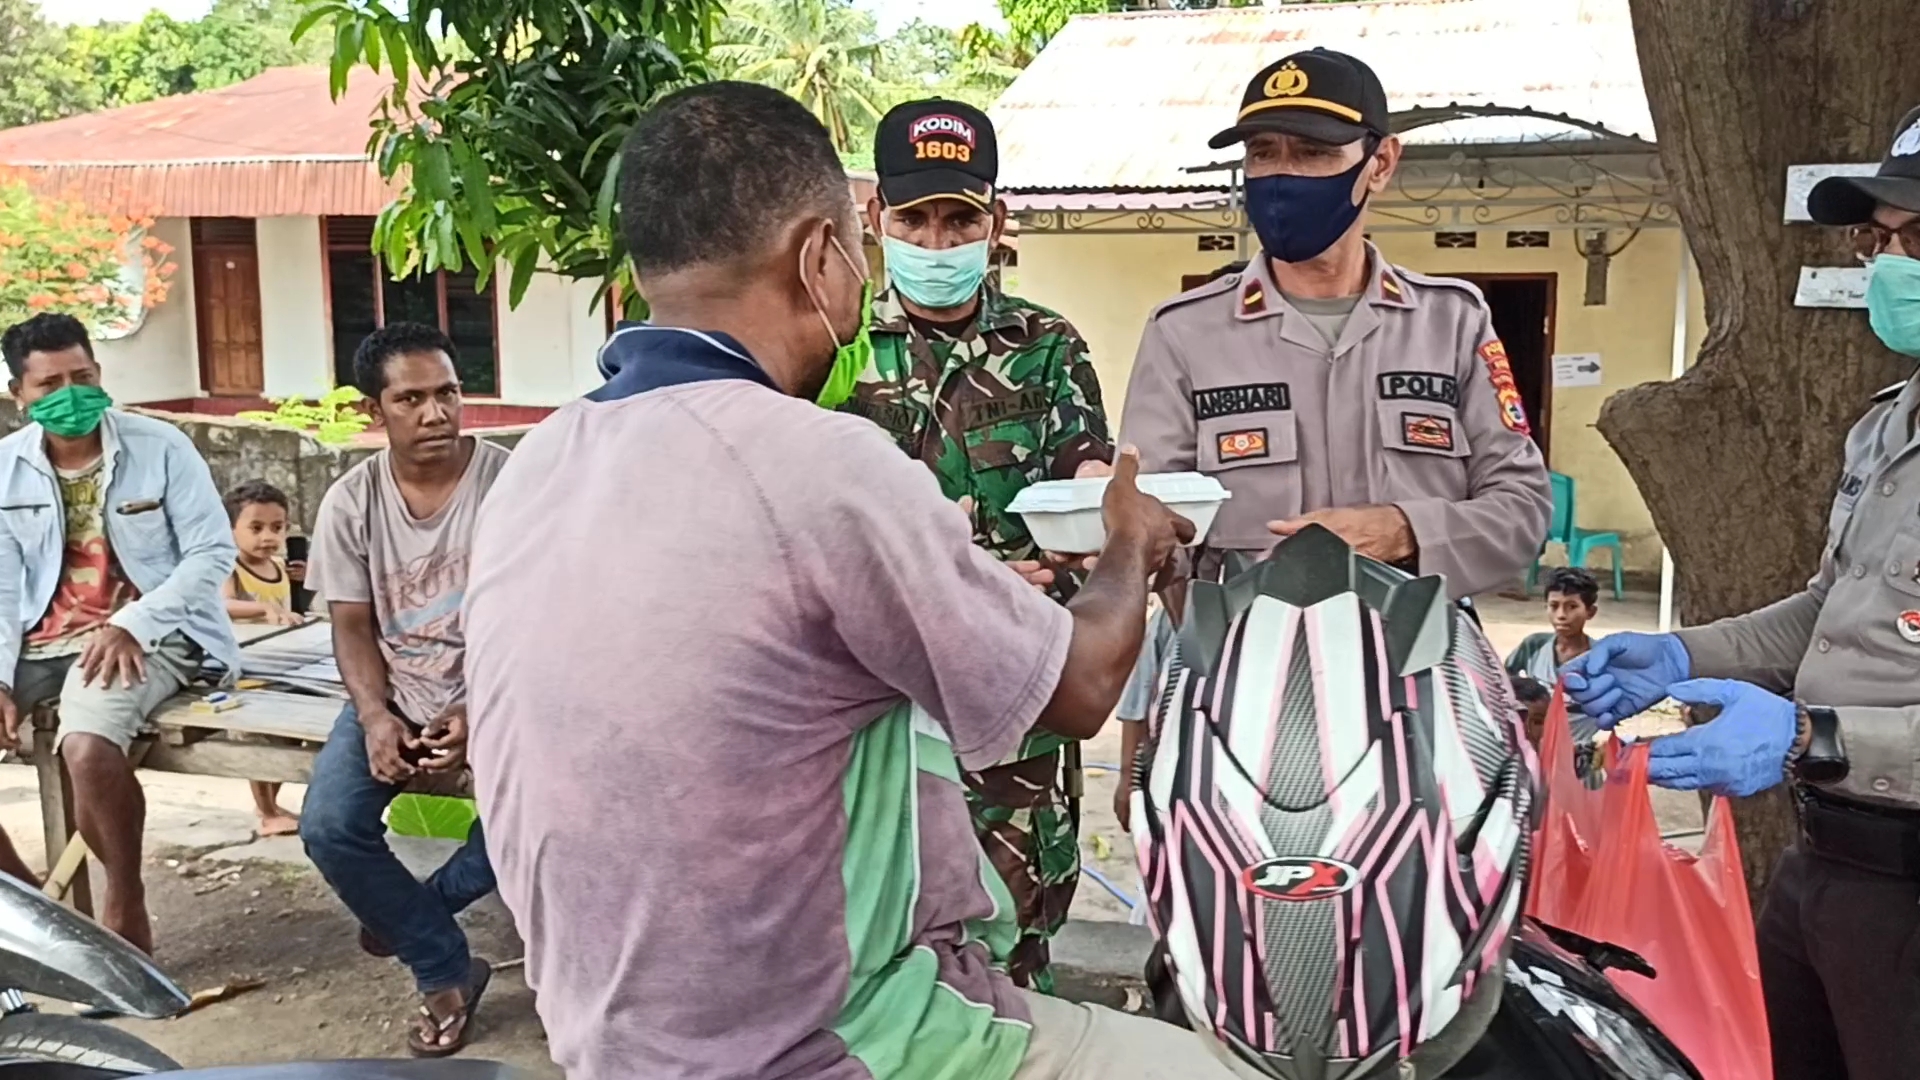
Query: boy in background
{"type": "Point", "coordinates": [1573, 599]}
{"type": "Point", "coordinates": [260, 590]}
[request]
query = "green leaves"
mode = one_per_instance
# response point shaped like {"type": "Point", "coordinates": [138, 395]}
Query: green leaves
{"type": "Point", "coordinates": [505, 119]}
{"type": "Point", "coordinates": [438, 816]}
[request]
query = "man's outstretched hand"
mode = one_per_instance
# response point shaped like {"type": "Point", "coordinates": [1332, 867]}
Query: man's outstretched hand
{"type": "Point", "coordinates": [1131, 516]}
{"type": "Point", "coordinates": [1742, 751]}
{"type": "Point", "coordinates": [1624, 674]}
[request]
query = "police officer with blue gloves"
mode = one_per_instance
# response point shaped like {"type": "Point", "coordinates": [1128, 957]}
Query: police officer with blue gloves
{"type": "Point", "coordinates": [1839, 936]}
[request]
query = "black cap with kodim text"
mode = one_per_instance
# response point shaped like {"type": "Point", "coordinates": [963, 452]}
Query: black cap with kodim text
{"type": "Point", "coordinates": [936, 150]}
{"type": "Point", "coordinates": [1849, 200]}
{"type": "Point", "coordinates": [1319, 94]}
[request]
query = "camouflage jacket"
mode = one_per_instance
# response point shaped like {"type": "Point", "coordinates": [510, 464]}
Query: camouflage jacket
{"type": "Point", "coordinates": [1013, 401]}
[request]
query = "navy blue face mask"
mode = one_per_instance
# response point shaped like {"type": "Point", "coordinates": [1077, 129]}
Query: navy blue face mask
{"type": "Point", "coordinates": [1299, 217]}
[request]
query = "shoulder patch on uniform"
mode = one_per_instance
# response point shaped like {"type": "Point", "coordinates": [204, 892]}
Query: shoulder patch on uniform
{"type": "Point", "coordinates": [1513, 413]}
{"type": "Point", "coordinates": [1419, 280]}
{"type": "Point", "coordinates": [1890, 392]}
{"type": "Point", "coordinates": [1219, 285]}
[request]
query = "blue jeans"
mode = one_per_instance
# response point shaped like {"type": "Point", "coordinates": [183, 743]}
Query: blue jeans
{"type": "Point", "coordinates": [344, 836]}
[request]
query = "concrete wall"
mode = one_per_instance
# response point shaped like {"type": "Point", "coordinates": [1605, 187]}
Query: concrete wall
{"type": "Point", "coordinates": [161, 360]}
{"type": "Point", "coordinates": [1106, 284]}
{"type": "Point", "coordinates": [295, 338]}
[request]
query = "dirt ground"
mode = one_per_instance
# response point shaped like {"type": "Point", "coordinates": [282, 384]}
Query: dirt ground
{"type": "Point", "coordinates": [228, 908]}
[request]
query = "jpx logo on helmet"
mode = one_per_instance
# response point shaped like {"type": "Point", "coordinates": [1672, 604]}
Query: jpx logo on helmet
{"type": "Point", "coordinates": [1299, 877]}
{"type": "Point", "coordinates": [941, 124]}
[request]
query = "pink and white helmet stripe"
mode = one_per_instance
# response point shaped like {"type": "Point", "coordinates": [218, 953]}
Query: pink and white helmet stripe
{"type": "Point", "coordinates": [1333, 822]}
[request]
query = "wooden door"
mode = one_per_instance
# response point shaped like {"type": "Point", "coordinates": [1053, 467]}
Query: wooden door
{"type": "Point", "coordinates": [226, 294]}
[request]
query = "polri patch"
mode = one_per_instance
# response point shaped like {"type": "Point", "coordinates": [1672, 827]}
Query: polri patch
{"type": "Point", "coordinates": [1242, 445]}
{"type": "Point", "coordinates": [1429, 386]}
{"type": "Point", "coordinates": [1235, 400]}
{"type": "Point", "coordinates": [1909, 626]}
{"type": "Point", "coordinates": [1423, 430]}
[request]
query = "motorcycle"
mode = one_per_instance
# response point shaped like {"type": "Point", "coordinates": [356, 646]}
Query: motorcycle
{"type": "Point", "coordinates": [49, 951]}
{"type": "Point", "coordinates": [1559, 1017]}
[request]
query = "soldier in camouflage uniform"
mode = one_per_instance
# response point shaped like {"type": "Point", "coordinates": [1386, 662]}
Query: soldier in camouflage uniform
{"type": "Point", "coordinates": [994, 394]}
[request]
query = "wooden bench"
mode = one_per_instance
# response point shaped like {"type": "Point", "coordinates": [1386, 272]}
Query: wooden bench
{"type": "Point", "coordinates": [274, 735]}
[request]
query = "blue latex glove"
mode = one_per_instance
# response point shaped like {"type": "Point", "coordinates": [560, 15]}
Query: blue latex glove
{"type": "Point", "coordinates": [1623, 674]}
{"type": "Point", "coordinates": [1743, 751]}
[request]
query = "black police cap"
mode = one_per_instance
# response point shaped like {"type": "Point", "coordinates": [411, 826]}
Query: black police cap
{"type": "Point", "coordinates": [1319, 94]}
{"type": "Point", "coordinates": [1849, 200]}
{"type": "Point", "coordinates": [936, 150]}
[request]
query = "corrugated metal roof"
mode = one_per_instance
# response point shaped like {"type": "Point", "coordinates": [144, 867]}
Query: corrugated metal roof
{"type": "Point", "coordinates": [275, 144]}
{"type": "Point", "coordinates": [1129, 101]}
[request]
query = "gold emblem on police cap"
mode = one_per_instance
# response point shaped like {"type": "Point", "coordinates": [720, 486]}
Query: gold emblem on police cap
{"type": "Point", "coordinates": [1289, 81]}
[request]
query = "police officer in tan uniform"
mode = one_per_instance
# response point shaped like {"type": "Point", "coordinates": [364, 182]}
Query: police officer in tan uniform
{"type": "Point", "coordinates": [1322, 384]}
{"type": "Point", "coordinates": [1823, 688]}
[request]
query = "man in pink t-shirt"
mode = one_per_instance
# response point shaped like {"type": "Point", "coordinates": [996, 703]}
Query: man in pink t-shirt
{"type": "Point", "coordinates": [772, 691]}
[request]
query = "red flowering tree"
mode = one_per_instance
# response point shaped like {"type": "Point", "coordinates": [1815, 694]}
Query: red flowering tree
{"type": "Point", "coordinates": [58, 254]}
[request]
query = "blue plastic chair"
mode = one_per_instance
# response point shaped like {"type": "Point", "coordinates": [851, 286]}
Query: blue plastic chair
{"type": "Point", "coordinates": [1579, 542]}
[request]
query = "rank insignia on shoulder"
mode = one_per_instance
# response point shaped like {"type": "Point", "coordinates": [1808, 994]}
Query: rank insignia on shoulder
{"type": "Point", "coordinates": [1390, 287]}
{"type": "Point", "coordinates": [1253, 299]}
{"type": "Point", "coordinates": [1241, 445]}
{"type": "Point", "coordinates": [1852, 485]}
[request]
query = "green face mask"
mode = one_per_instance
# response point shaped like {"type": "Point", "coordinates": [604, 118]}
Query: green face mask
{"type": "Point", "coordinates": [851, 359]}
{"type": "Point", "coordinates": [71, 411]}
{"type": "Point", "coordinates": [1893, 303]}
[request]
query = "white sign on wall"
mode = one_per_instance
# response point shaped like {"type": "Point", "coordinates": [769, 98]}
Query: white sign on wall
{"type": "Point", "coordinates": [1576, 369]}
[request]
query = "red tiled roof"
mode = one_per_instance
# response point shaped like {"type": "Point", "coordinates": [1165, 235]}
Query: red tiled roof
{"type": "Point", "coordinates": [275, 144]}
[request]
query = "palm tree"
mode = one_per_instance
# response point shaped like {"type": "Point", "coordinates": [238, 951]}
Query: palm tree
{"type": "Point", "coordinates": [822, 52]}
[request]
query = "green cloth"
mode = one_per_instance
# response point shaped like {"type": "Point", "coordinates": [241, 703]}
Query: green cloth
{"type": "Point", "coordinates": [899, 1019]}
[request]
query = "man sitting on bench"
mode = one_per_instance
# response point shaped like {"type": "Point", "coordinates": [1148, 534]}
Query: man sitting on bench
{"type": "Point", "coordinates": [390, 557]}
{"type": "Point", "coordinates": [113, 545]}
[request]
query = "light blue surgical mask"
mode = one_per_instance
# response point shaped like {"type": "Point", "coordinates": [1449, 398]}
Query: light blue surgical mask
{"type": "Point", "coordinates": [941, 279]}
{"type": "Point", "coordinates": [1893, 303]}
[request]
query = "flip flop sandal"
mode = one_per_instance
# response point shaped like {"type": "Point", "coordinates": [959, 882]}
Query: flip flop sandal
{"type": "Point", "coordinates": [424, 1045]}
{"type": "Point", "coordinates": [373, 946]}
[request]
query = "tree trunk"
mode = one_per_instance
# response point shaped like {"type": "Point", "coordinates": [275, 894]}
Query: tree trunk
{"type": "Point", "coordinates": [1738, 459]}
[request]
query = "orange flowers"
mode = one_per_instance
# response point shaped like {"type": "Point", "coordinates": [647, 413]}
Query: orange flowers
{"type": "Point", "coordinates": [57, 253]}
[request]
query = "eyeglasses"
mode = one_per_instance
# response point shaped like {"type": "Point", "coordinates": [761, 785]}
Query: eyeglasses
{"type": "Point", "coordinates": [1873, 239]}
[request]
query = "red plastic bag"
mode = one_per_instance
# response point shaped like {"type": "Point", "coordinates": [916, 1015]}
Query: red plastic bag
{"type": "Point", "coordinates": [1603, 872]}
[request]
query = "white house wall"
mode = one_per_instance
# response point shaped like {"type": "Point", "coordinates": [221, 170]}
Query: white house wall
{"type": "Point", "coordinates": [161, 360]}
{"type": "Point", "coordinates": [548, 343]}
{"type": "Point", "coordinates": [295, 338]}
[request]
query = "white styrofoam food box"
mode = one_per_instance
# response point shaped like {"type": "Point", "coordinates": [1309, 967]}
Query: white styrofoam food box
{"type": "Point", "coordinates": [1064, 515]}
